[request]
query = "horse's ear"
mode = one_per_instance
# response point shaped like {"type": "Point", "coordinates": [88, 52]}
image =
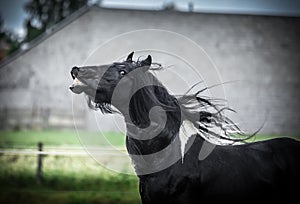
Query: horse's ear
{"type": "Point", "coordinates": [147, 61]}
{"type": "Point", "coordinates": [129, 57]}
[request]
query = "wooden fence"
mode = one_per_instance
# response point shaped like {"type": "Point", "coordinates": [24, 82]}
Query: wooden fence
{"type": "Point", "coordinates": [40, 152]}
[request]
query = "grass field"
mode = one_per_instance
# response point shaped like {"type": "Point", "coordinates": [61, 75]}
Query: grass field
{"type": "Point", "coordinates": [66, 179]}
{"type": "Point", "coordinates": [58, 138]}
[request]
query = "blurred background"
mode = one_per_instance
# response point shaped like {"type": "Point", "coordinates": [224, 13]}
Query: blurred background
{"type": "Point", "coordinates": [254, 44]}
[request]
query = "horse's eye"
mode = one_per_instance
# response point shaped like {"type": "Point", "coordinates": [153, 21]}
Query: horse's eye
{"type": "Point", "coordinates": [122, 72]}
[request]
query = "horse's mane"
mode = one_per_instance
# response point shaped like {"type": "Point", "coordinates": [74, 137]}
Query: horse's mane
{"type": "Point", "coordinates": [207, 115]}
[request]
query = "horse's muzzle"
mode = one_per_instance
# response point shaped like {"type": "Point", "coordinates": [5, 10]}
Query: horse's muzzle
{"type": "Point", "coordinates": [77, 86]}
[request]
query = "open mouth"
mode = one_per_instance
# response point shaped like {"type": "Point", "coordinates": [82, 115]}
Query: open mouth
{"type": "Point", "coordinates": [77, 86]}
{"type": "Point", "coordinates": [86, 82]}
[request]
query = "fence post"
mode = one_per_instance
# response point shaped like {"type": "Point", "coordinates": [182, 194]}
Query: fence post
{"type": "Point", "coordinates": [39, 173]}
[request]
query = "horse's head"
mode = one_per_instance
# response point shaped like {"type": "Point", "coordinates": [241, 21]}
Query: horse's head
{"type": "Point", "coordinates": [99, 82]}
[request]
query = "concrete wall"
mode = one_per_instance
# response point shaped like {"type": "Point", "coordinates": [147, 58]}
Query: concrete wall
{"type": "Point", "coordinates": [262, 53]}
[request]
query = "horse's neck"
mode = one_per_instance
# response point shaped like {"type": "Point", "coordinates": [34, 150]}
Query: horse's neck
{"type": "Point", "coordinates": [153, 155]}
{"type": "Point", "coordinates": [154, 136]}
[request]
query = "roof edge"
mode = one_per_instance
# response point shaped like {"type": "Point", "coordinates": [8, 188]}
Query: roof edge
{"type": "Point", "coordinates": [48, 33]}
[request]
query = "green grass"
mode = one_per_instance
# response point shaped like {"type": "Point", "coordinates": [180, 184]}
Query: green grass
{"type": "Point", "coordinates": [74, 179]}
{"type": "Point", "coordinates": [85, 197]}
{"type": "Point", "coordinates": [59, 138]}
{"type": "Point", "coordinates": [62, 174]}
{"type": "Point", "coordinates": [65, 180]}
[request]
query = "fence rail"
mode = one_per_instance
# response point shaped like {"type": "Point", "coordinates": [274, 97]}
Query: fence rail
{"type": "Point", "coordinates": [62, 153]}
{"type": "Point", "coordinates": [74, 151]}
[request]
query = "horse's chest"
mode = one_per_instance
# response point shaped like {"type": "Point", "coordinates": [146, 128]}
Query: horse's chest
{"type": "Point", "coordinates": [165, 188]}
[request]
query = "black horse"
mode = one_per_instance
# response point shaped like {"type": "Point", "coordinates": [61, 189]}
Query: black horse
{"type": "Point", "coordinates": [170, 140]}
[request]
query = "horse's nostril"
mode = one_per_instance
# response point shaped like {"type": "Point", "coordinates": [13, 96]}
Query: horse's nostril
{"type": "Point", "coordinates": [71, 87]}
{"type": "Point", "coordinates": [75, 67]}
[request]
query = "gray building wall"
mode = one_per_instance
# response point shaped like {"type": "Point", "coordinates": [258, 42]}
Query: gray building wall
{"type": "Point", "coordinates": [261, 54]}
